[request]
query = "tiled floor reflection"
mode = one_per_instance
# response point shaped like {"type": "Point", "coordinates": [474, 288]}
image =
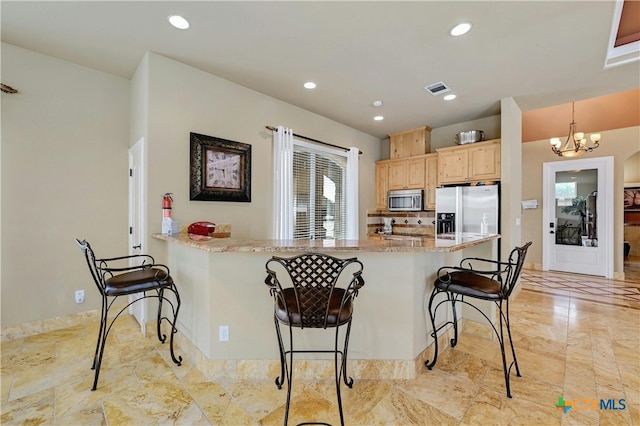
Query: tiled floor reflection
{"type": "Point", "coordinates": [577, 337]}
{"type": "Point", "coordinates": [586, 287]}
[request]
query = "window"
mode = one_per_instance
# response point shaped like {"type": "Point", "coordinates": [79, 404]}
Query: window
{"type": "Point", "coordinates": [315, 190]}
{"type": "Point", "coordinates": [319, 193]}
{"type": "Point", "coordinates": [565, 193]}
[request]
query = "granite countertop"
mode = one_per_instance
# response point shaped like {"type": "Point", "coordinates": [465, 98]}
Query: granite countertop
{"type": "Point", "coordinates": [411, 245]}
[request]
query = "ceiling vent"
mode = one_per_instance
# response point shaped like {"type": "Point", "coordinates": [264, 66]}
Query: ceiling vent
{"type": "Point", "coordinates": [438, 88]}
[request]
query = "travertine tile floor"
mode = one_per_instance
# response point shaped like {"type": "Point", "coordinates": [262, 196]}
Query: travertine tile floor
{"type": "Point", "coordinates": [573, 340]}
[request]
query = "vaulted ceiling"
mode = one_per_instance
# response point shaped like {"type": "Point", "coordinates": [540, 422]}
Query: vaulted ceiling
{"type": "Point", "coordinates": [541, 53]}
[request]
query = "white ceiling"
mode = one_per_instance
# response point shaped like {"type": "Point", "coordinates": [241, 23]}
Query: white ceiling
{"type": "Point", "coordinates": [541, 53]}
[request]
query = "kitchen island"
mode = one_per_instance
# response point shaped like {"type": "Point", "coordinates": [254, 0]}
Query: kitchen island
{"type": "Point", "coordinates": [221, 283]}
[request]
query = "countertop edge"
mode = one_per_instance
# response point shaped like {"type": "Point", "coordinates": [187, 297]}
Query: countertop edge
{"type": "Point", "coordinates": [229, 245]}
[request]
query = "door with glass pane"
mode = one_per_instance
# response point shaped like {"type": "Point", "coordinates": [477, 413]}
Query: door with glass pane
{"type": "Point", "coordinates": [578, 216]}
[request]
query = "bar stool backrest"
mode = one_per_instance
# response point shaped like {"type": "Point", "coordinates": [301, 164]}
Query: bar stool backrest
{"type": "Point", "coordinates": [103, 269]}
{"type": "Point", "coordinates": [91, 263]}
{"type": "Point", "coordinates": [516, 260]}
{"type": "Point", "coordinates": [314, 278]}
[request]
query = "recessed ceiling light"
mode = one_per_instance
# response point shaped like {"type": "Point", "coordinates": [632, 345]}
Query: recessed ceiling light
{"type": "Point", "coordinates": [378, 118]}
{"type": "Point", "coordinates": [309, 85]}
{"type": "Point", "coordinates": [377, 103]}
{"type": "Point", "coordinates": [449, 97]}
{"type": "Point", "coordinates": [460, 29]}
{"type": "Point", "coordinates": [179, 22]}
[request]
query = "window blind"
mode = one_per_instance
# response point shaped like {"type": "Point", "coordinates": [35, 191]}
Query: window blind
{"type": "Point", "coordinates": [319, 193]}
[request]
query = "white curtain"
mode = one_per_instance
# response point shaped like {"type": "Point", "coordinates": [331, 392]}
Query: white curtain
{"type": "Point", "coordinates": [283, 183]}
{"type": "Point", "coordinates": [352, 193]}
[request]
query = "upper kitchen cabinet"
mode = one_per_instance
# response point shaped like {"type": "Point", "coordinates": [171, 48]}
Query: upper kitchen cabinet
{"type": "Point", "coordinates": [410, 143]}
{"type": "Point", "coordinates": [432, 181]}
{"type": "Point", "coordinates": [407, 174]}
{"type": "Point", "coordinates": [468, 163]}
{"type": "Point", "coordinates": [419, 172]}
{"type": "Point", "coordinates": [382, 184]}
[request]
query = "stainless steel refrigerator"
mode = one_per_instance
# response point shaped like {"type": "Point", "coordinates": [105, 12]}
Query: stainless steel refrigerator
{"type": "Point", "coordinates": [461, 209]}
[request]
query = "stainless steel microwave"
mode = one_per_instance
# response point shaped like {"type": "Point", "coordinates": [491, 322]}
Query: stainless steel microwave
{"type": "Point", "coordinates": [407, 200]}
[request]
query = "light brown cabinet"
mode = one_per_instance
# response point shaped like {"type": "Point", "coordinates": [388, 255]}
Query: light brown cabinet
{"type": "Point", "coordinates": [407, 174]}
{"type": "Point", "coordinates": [410, 143]}
{"type": "Point", "coordinates": [484, 161]}
{"type": "Point", "coordinates": [420, 172]}
{"type": "Point", "coordinates": [432, 181]}
{"type": "Point", "coordinates": [382, 184]}
{"type": "Point", "coordinates": [468, 163]}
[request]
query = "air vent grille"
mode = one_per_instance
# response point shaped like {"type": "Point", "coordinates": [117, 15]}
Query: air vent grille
{"type": "Point", "coordinates": [438, 88]}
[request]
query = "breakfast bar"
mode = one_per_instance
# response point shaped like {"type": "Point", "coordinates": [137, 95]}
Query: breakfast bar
{"type": "Point", "coordinates": [221, 283]}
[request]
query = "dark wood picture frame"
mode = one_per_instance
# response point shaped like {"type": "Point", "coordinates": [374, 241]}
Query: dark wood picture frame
{"type": "Point", "coordinates": [220, 169]}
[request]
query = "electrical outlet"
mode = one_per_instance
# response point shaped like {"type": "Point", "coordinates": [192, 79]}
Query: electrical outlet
{"type": "Point", "coordinates": [223, 333]}
{"type": "Point", "coordinates": [79, 296]}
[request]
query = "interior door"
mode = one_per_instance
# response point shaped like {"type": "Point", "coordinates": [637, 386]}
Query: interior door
{"type": "Point", "coordinates": [578, 216]}
{"type": "Point", "coordinates": [136, 220]}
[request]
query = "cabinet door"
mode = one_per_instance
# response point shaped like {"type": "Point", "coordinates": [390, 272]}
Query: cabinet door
{"type": "Point", "coordinates": [432, 182]}
{"type": "Point", "coordinates": [397, 147]}
{"type": "Point", "coordinates": [382, 185]}
{"type": "Point", "coordinates": [410, 143]}
{"type": "Point", "coordinates": [416, 178]}
{"type": "Point", "coordinates": [453, 166]}
{"type": "Point", "coordinates": [414, 142]}
{"type": "Point", "coordinates": [484, 162]}
{"type": "Point", "coordinates": [397, 175]}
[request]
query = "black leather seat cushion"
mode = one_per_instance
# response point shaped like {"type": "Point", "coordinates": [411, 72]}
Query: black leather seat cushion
{"type": "Point", "coordinates": [137, 281]}
{"type": "Point", "coordinates": [315, 320]}
{"type": "Point", "coordinates": [470, 284]}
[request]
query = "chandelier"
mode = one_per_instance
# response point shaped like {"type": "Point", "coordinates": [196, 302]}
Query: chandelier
{"type": "Point", "coordinates": [576, 143]}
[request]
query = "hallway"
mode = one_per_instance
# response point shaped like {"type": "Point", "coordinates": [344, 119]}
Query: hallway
{"type": "Point", "coordinates": [575, 338]}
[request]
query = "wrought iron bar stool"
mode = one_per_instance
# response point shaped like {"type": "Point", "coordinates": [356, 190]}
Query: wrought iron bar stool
{"type": "Point", "coordinates": [314, 300]}
{"type": "Point", "coordinates": [114, 281]}
{"type": "Point", "coordinates": [494, 284]}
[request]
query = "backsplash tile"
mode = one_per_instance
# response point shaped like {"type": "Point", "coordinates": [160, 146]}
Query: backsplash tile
{"type": "Point", "coordinates": [404, 223]}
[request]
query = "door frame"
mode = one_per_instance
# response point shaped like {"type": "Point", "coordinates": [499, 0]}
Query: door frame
{"type": "Point", "coordinates": [137, 220]}
{"type": "Point", "coordinates": [605, 207]}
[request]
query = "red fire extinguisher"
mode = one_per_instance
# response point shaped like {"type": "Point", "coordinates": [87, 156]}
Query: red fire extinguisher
{"type": "Point", "coordinates": [166, 205]}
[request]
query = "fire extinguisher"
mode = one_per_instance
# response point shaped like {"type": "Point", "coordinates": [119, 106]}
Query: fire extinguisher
{"type": "Point", "coordinates": [166, 205]}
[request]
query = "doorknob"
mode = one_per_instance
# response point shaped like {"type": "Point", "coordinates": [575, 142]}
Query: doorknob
{"type": "Point", "coordinates": [137, 247]}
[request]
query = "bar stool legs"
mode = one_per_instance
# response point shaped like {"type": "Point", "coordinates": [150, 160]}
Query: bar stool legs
{"type": "Point", "coordinates": [340, 367]}
{"type": "Point", "coordinates": [314, 300]}
{"type": "Point", "coordinates": [485, 280]}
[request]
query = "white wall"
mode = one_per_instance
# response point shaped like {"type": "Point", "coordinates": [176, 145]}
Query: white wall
{"type": "Point", "coordinates": [183, 99]}
{"type": "Point", "coordinates": [64, 175]}
{"type": "Point", "coordinates": [446, 136]}
{"type": "Point", "coordinates": [65, 141]}
{"type": "Point", "coordinates": [511, 176]}
{"type": "Point", "coordinates": [632, 169]}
